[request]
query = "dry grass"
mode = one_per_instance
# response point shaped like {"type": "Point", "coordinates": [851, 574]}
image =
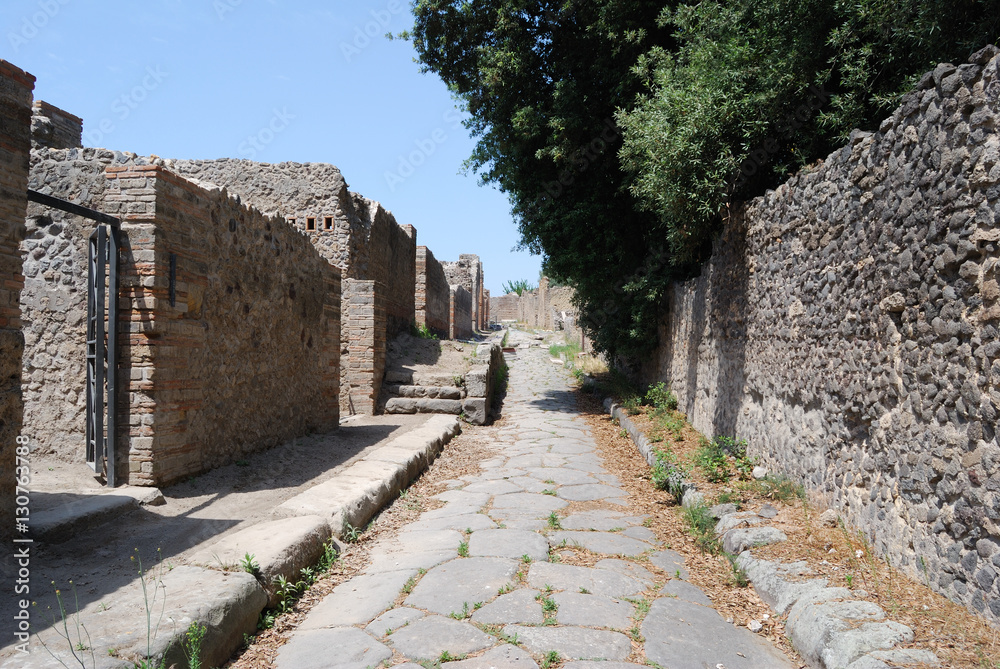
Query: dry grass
{"type": "Point", "coordinates": [839, 554]}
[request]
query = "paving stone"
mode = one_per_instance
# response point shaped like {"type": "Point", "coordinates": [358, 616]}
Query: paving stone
{"type": "Point", "coordinates": [575, 643]}
{"type": "Point", "coordinates": [407, 561]}
{"type": "Point", "coordinates": [393, 619]}
{"type": "Point", "coordinates": [571, 448]}
{"type": "Point", "coordinates": [849, 645]}
{"type": "Point", "coordinates": [610, 479]}
{"type": "Point", "coordinates": [450, 510]}
{"type": "Point", "coordinates": [588, 664]}
{"type": "Point", "coordinates": [358, 601]}
{"type": "Point", "coordinates": [530, 524]}
{"type": "Point", "coordinates": [515, 607]}
{"type": "Point", "coordinates": [630, 569]}
{"type": "Point", "coordinates": [310, 649]}
{"type": "Point", "coordinates": [586, 610]}
{"type": "Point", "coordinates": [671, 562]}
{"type": "Point", "coordinates": [561, 476]}
{"type": "Point", "coordinates": [504, 656]}
{"type": "Point", "coordinates": [603, 520]}
{"type": "Point", "coordinates": [640, 533]}
{"type": "Point", "coordinates": [744, 538]}
{"type": "Point", "coordinates": [590, 492]}
{"type": "Point", "coordinates": [473, 499]}
{"type": "Point", "coordinates": [529, 484]}
{"type": "Point", "coordinates": [460, 522]}
{"type": "Point", "coordinates": [571, 578]}
{"type": "Point", "coordinates": [531, 502]}
{"type": "Point", "coordinates": [495, 487]}
{"type": "Point", "coordinates": [509, 543]}
{"type": "Point", "coordinates": [601, 542]}
{"type": "Point", "coordinates": [428, 540]}
{"type": "Point", "coordinates": [686, 591]}
{"type": "Point", "coordinates": [683, 635]}
{"type": "Point", "coordinates": [428, 637]}
{"type": "Point", "coordinates": [446, 588]}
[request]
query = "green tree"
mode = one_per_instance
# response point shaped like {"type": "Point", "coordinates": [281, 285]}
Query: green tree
{"type": "Point", "coordinates": [541, 81]}
{"type": "Point", "coordinates": [758, 88]}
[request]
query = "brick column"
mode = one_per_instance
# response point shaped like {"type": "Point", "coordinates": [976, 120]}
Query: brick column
{"type": "Point", "coordinates": [363, 336]}
{"type": "Point", "coordinates": [16, 87]}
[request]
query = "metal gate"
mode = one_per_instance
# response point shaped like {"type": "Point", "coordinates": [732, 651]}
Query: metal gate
{"type": "Point", "coordinates": [102, 333]}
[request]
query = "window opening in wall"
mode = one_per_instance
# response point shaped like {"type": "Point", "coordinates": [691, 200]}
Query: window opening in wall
{"type": "Point", "coordinates": [291, 221]}
{"type": "Point", "coordinates": [328, 222]}
{"type": "Point", "coordinates": [310, 223]}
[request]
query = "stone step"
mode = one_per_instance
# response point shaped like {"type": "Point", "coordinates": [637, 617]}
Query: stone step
{"type": "Point", "coordinates": [429, 392]}
{"type": "Point", "coordinates": [407, 377]}
{"type": "Point", "coordinates": [411, 405]}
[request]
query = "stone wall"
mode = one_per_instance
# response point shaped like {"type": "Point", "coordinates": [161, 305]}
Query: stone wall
{"type": "Point", "coordinates": [433, 295]}
{"type": "Point", "coordinates": [468, 273]}
{"type": "Point", "coordinates": [54, 299]}
{"type": "Point", "coordinates": [16, 87]}
{"type": "Point", "coordinates": [505, 307]}
{"type": "Point", "coordinates": [234, 323]}
{"type": "Point", "coordinates": [392, 258]}
{"type": "Point", "coordinates": [847, 327]}
{"type": "Point", "coordinates": [460, 308]}
{"type": "Point", "coordinates": [357, 235]}
{"type": "Point", "coordinates": [53, 128]}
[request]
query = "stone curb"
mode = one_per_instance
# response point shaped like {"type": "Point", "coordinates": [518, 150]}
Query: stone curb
{"type": "Point", "coordinates": [828, 628]}
{"type": "Point", "coordinates": [229, 602]}
{"type": "Point", "coordinates": [640, 440]}
{"type": "Point", "coordinates": [67, 520]}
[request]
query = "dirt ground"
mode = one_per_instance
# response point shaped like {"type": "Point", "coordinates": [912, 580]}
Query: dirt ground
{"type": "Point", "coordinates": [428, 356]}
{"type": "Point", "coordinates": [197, 512]}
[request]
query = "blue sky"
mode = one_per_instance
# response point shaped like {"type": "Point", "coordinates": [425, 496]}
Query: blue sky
{"type": "Point", "coordinates": [272, 81]}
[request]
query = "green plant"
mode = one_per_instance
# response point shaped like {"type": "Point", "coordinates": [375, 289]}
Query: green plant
{"type": "Point", "coordinates": [730, 497]}
{"type": "Point", "coordinates": [151, 585]}
{"type": "Point", "coordinates": [249, 564]}
{"type": "Point", "coordinates": [701, 526]}
{"type": "Point", "coordinates": [408, 586]}
{"type": "Point", "coordinates": [463, 549]}
{"type": "Point", "coordinates": [463, 615]}
{"type": "Point", "coordinates": [526, 559]}
{"type": "Point", "coordinates": [421, 331]}
{"type": "Point", "coordinates": [850, 580]}
{"type": "Point", "coordinates": [242, 463]}
{"type": "Point", "coordinates": [661, 397]}
{"type": "Point", "coordinates": [738, 575]}
{"type": "Point", "coordinates": [506, 336]}
{"type": "Point", "coordinates": [780, 488]}
{"type": "Point", "coordinates": [76, 644]}
{"type": "Point", "coordinates": [351, 533]}
{"type": "Point", "coordinates": [554, 522]}
{"type": "Point", "coordinates": [504, 589]}
{"type": "Point", "coordinates": [519, 286]}
{"type": "Point", "coordinates": [549, 658]}
{"type": "Point", "coordinates": [192, 644]}
{"type": "Point", "coordinates": [667, 474]}
{"type": "Point", "coordinates": [549, 491]}
{"type": "Point", "coordinates": [632, 406]}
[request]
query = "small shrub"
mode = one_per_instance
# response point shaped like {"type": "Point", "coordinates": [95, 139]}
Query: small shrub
{"type": "Point", "coordinates": [701, 526]}
{"type": "Point", "coordinates": [667, 474]}
{"type": "Point", "coordinates": [661, 397]}
{"type": "Point", "coordinates": [421, 331]}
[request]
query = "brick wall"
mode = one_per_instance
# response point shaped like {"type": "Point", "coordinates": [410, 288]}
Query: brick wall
{"type": "Point", "coordinates": [460, 313]}
{"type": "Point", "coordinates": [54, 128]}
{"type": "Point", "coordinates": [505, 307]}
{"type": "Point", "coordinates": [238, 349]}
{"type": "Point", "coordinates": [363, 337]}
{"type": "Point", "coordinates": [391, 257]}
{"type": "Point", "coordinates": [433, 295]}
{"type": "Point", "coordinates": [16, 87]}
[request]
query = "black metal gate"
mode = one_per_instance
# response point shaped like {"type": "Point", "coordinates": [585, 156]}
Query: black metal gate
{"type": "Point", "coordinates": [102, 333]}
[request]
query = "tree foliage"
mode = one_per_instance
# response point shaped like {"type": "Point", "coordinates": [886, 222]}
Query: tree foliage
{"type": "Point", "coordinates": [621, 129]}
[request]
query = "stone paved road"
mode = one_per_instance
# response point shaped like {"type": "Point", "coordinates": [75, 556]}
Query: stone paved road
{"type": "Point", "coordinates": [482, 572]}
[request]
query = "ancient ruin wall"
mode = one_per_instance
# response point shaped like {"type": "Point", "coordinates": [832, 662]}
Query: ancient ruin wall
{"type": "Point", "coordinates": [460, 313]}
{"type": "Point", "coordinates": [53, 128]}
{"type": "Point", "coordinates": [847, 326]}
{"type": "Point", "coordinates": [505, 307]}
{"type": "Point", "coordinates": [433, 295]}
{"type": "Point", "coordinates": [467, 272]}
{"type": "Point", "coordinates": [363, 338]}
{"type": "Point", "coordinates": [391, 263]}
{"type": "Point", "coordinates": [16, 87]}
{"type": "Point", "coordinates": [234, 327]}
{"type": "Point", "coordinates": [54, 299]}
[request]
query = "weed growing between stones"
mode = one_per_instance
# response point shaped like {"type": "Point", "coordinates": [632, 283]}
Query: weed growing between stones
{"type": "Point", "coordinates": [421, 331]}
{"type": "Point", "coordinates": [548, 659]}
{"type": "Point", "coordinates": [192, 644]}
{"type": "Point", "coordinates": [738, 577]}
{"type": "Point", "coordinates": [289, 592]}
{"type": "Point", "coordinates": [554, 522]}
{"type": "Point", "coordinates": [701, 526]}
{"type": "Point", "coordinates": [717, 456]}
{"type": "Point", "coordinates": [249, 564]}
{"type": "Point", "coordinates": [463, 549]}
{"type": "Point", "coordinates": [668, 474]}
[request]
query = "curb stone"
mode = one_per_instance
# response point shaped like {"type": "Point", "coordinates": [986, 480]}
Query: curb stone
{"type": "Point", "coordinates": [228, 603]}
{"type": "Point", "coordinates": [68, 520]}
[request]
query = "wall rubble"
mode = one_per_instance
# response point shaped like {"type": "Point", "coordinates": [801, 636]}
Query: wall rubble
{"type": "Point", "coordinates": [847, 326]}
